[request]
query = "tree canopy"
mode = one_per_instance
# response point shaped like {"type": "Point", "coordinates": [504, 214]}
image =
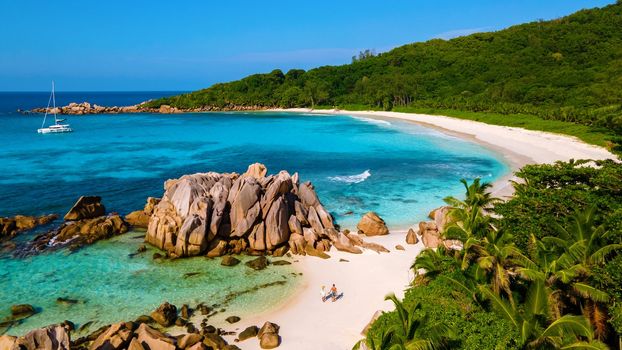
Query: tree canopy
{"type": "Point", "coordinates": [567, 69]}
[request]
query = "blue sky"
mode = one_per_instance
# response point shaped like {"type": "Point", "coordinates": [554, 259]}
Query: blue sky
{"type": "Point", "coordinates": [118, 45]}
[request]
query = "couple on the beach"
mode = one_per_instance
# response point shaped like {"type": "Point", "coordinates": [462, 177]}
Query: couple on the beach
{"type": "Point", "coordinates": [333, 294]}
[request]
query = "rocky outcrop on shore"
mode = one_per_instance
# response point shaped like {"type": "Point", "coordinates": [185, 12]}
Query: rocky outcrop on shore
{"type": "Point", "coordinates": [431, 232]}
{"type": "Point", "coordinates": [12, 226]}
{"type": "Point", "coordinates": [54, 337]}
{"type": "Point", "coordinates": [146, 333]}
{"type": "Point", "coordinates": [226, 213]}
{"type": "Point", "coordinates": [88, 108]}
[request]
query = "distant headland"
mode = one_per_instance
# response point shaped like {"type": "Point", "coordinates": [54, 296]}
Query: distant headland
{"type": "Point", "coordinates": [83, 108]}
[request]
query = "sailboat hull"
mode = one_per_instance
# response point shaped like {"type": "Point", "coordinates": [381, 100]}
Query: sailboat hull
{"type": "Point", "coordinates": [55, 129]}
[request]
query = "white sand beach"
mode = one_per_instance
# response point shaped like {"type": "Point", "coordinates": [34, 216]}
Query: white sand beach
{"type": "Point", "coordinates": [308, 323]}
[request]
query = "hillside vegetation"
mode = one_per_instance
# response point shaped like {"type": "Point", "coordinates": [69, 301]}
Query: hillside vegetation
{"type": "Point", "coordinates": [545, 272]}
{"type": "Point", "coordinates": [567, 69]}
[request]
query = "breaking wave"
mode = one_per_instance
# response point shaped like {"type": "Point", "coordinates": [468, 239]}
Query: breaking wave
{"type": "Point", "coordinates": [351, 179]}
{"type": "Point", "coordinates": [372, 120]}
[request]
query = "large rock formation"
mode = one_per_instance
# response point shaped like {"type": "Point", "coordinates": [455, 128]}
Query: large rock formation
{"type": "Point", "coordinates": [441, 217]}
{"type": "Point", "coordinates": [224, 213]}
{"type": "Point", "coordinates": [372, 225]}
{"type": "Point", "coordinates": [140, 218]}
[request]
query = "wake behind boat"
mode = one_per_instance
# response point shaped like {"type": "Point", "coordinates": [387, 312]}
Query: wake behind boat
{"type": "Point", "coordinates": [58, 126]}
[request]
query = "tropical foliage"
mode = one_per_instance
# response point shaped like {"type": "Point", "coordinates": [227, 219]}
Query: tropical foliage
{"type": "Point", "coordinates": [547, 262]}
{"type": "Point", "coordinates": [567, 69]}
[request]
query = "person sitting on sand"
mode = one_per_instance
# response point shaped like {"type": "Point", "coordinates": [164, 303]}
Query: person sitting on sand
{"type": "Point", "coordinates": [323, 293]}
{"type": "Point", "coordinates": [333, 293]}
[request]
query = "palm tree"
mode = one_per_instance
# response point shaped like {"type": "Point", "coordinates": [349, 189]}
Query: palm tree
{"type": "Point", "coordinates": [467, 217]}
{"type": "Point", "coordinates": [431, 261]}
{"type": "Point", "coordinates": [498, 256]}
{"type": "Point", "coordinates": [583, 246]}
{"type": "Point", "coordinates": [413, 331]}
{"type": "Point", "coordinates": [582, 240]}
{"type": "Point", "coordinates": [566, 282]}
{"type": "Point", "coordinates": [476, 195]}
{"type": "Point", "coordinates": [531, 322]}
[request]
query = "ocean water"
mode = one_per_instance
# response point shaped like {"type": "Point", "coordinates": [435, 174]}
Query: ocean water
{"type": "Point", "coordinates": [111, 286]}
{"type": "Point", "coordinates": [398, 169]}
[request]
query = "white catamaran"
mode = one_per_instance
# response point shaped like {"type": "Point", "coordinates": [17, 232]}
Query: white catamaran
{"type": "Point", "coordinates": [58, 126]}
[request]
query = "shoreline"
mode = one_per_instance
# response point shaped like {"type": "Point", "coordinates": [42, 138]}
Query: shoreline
{"type": "Point", "coordinates": [516, 146]}
{"type": "Point", "coordinates": [307, 323]}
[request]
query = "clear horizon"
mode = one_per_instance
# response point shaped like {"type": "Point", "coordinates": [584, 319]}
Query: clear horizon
{"type": "Point", "coordinates": [153, 46]}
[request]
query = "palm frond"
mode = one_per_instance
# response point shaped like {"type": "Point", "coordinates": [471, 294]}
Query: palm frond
{"type": "Point", "coordinates": [589, 292]}
{"type": "Point", "coordinates": [502, 306]}
{"type": "Point", "coordinates": [570, 325]}
{"type": "Point", "coordinates": [598, 257]}
{"type": "Point", "coordinates": [581, 345]}
{"type": "Point", "coordinates": [536, 302]}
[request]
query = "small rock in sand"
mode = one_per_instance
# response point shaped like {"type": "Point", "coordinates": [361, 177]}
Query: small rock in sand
{"type": "Point", "coordinates": [232, 319]}
{"type": "Point", "coordinates": [249, 332]}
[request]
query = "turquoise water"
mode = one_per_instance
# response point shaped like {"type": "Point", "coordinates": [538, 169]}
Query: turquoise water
{"type": "Point", "coordinates": [111, 286]}
{"type": "Point", "coordinates": [398, 169]}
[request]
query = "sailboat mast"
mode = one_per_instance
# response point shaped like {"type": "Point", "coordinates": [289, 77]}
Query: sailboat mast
{"type": "Point", "coordinates": [47, 109]}
{"type": "Point", "coordinates": [54, 101]}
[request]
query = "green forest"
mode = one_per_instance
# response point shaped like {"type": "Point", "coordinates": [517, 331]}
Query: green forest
{"type": "Point", "coordinates": [540, 271]}
{"type": "Point", "coordinates": [568, 69]}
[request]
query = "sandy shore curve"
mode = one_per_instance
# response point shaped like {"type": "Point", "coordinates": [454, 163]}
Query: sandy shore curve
{"type": "Point", "coordinates": [308, 323]}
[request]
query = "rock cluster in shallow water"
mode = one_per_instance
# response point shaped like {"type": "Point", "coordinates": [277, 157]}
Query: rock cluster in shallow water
{"type": "Point", "coordinates": [220, 213]}
{"type": "Point", "coordinates": [85, 223]}
{"type": "Point", "coordinates": [142, 334]}
{"type": "Point", "coordinates": [11, 226]}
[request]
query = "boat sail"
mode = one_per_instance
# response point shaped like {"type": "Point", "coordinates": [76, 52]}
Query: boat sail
{"type": "Point", "coordinates": [58, 126]}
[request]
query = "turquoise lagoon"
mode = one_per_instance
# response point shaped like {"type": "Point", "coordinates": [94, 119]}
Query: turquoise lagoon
{"type": "Point", "coordinates": [398, 169]}
{"type": "Point", "coordinates": [110, 284]}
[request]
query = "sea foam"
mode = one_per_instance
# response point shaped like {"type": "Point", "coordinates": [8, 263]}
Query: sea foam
{"type": "Point", "coordinates": [351, 179]}
{"type": "Point", "coordinates": [372, 120]}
